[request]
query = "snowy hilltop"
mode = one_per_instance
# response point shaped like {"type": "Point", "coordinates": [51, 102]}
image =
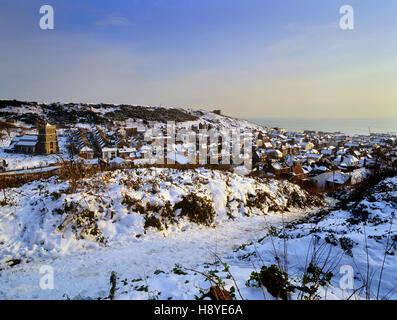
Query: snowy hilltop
{"type": "Point", "coordinates": [25, 113]}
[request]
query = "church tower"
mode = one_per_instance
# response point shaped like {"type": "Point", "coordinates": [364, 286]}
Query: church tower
{"type": "Point", "coordinates": [48, 142]}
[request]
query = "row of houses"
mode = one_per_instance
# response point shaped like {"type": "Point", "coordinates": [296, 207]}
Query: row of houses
{"type": "Point", "coordinates": [93, 143]}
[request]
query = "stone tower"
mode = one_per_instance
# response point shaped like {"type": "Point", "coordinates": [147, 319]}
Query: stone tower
{"type": "Point", "coordinates": [47, 141]}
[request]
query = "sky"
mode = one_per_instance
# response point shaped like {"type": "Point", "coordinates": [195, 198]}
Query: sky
{"type": "Point", "coordinates": [249, 58]}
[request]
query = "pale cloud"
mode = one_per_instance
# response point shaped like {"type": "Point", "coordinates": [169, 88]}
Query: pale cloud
{"type": "Point", "coordinates": [303, 39]}
{"type": "Point", "coordinates": [315, 28]}
{"type": "Point", "coordinates": [291, 45]}
{"type": "Point", "coordinates": [113, 20]}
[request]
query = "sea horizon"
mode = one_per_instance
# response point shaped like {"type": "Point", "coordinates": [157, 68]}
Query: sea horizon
{"type": "Point", "coordinates": [348, 126]}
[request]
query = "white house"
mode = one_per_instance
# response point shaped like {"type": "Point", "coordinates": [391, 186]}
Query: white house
{"type": "Point", "coordinates": [109, 153]}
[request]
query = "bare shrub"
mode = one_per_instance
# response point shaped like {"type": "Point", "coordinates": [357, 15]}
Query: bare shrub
{"type": "Point", "coordinates": [83, 222]}
{"type": "Point", "coordinates": [275, 281]}
{"type": "Point", "coordinates": [197, 209]}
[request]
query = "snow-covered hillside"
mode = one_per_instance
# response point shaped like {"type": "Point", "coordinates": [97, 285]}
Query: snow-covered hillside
{"type": "Point", "coordinates": [317, 252]}
{"type": "Point", "coordinates": [51, 217]}
{"type": "Point", "coordinates": [26, 114]}
{"type": "Point", "coordinates": [162, 214]}
{"type": "Point", "coordinates": [143, 225]}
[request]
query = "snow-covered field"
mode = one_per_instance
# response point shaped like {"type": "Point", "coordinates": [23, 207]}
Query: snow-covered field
{"type": "Point", "coordinates": [141, 224]}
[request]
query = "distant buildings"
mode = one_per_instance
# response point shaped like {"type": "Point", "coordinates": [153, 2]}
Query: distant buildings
{"type": "Point", "coordinates": [323, 161]}
{"type": "Point", "coordinates": [44, 143]}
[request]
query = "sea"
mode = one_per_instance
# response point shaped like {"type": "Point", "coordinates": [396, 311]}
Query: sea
{"type": "Point", "coordinates": [347, 126]}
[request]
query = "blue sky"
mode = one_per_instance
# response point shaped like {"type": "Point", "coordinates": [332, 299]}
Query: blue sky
{"type": "Point", "coordinates": [250, 58]}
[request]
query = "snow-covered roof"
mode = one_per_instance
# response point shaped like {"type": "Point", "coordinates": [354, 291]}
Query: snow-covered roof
{"type": "Point", "coordinates": [26, 143]}
{"type": "Point", "coordinates": [314, 155]}
{"type": "Point", "coordinates": [339, 178]}
{"type": "Point", "coordinates": [125, 150]}
{"type": "Point", "coordinates": [26, 137]}
{"type": "Point", "coordinates": [86, 149]}
{"type": "Point", "coordinates": [277, 166]}
{"type": "Point", "coordinates": [117, 160]}
{"type": "Point", "coordinates": [326, 151]}
{"type": "Point", "coordinates": [178, 158]}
